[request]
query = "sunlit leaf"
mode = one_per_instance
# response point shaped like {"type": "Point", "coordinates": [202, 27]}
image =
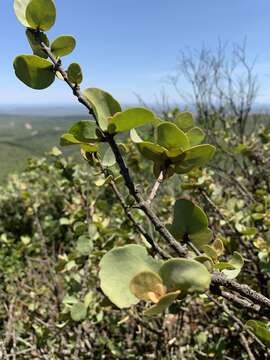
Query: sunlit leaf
{"type": "Point", "coordinates": [195, 136]}
{"type": "Point", "coordinates": [20, 10]}
{"type": "Point", "coordinates": [147, 285]}
{"type": "Point", "coordinates": [118, 267]}
{"type": "Point", "coordinates": [78, 312]}
{"type": "Point", "coordinates": [130, 119]}
{"type": "Point", "coordinates": [163, 304]}
{"type": "Point", "coordinates": [41, 14]}
{"type": "Point", "coordinates": [261, 329]}
{"type": "Point", "coordinates": [184, 121]}
{"type": "Point", "coordinates": [63, 45]}
{"type": "Point", "coordinates": [171, 137]}
{"type": "Point", "coordinates": [237, 261]}
{"type": "Point", "coordinates": [106, 155]}
{"type": "Point", "coordinates": [196, 156]}
{"type": "Point", "coordinates": [185, 274]}
{"type": "Point", "coordinates": [103, 104]}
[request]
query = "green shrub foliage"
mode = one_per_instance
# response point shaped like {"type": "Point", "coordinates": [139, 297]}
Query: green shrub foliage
{"type": "Point", "coordinates": [85, 243]}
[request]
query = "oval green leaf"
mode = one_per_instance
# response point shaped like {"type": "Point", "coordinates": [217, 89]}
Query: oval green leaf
{"type": "Point", "coordinates": [41, 14]}
{"type": "Point", "coordinates": [74, 73]}
{"type": "Point", "coordinates": [184, 121]}
{"type": "Point", "coordinates": [103, 104]}
{"type": "Point", "coordinates": [118, 267]}
{"type": "Point", "coordinates": [195, 136]}
{"type": "Point", "coordinates": [20, 10]}
{"type": "Point", "coordinates": [195, 157]}
{"type": "Point", "coordinates": [130, 119]}
{"type": "Point", "coordinates": [63, 45]}
{"type": "Point", "coordinates": [78, 312]}
{"type": "Point", "coordinates": [84, 131]}
{"type": "Point", "coordinates": [171, 137]}
{"type": "Point", "coordinates": [185, 275]}
{"type": "Point", "coordinates": [188, 219]}
{"type": "Point", "coordinates": [152, 151]}
{"type": "Point", "coordinates": [34, 71]}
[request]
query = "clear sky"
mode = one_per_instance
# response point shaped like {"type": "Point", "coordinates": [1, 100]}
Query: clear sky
{"type": "Point", "coordinates": [128, 46]}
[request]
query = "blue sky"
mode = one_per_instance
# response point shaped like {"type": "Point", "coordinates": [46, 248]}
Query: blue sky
{"type": "Point", "coordinates": [128, 46]}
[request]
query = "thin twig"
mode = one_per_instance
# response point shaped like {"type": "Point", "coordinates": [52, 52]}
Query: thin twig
{"type": "Point", "coordinates": [225, 308]}
{"type": "Point", "coordinates": [156, 186]}
{"type": "Point", "coordinates": [129, 215]}
{"type": "Point", "coordinates": [246, 346]}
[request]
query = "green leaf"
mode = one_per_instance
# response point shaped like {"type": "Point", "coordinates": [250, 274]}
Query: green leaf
{"type": "Point", "coordinates": [184, 121]}
{"type": "Point", "coordinates": [88, 299]}
{"type": "Point", "coordinates": [135, 137]}
{"type": "Point", "coordinates": [118, 267]}
{"type": "Point", "coordinates": [35, 45]}
{"type": "Point", "coordinates": [103, 104]}
{"type": "Point", "coordinates": [130, 119]}
{"type": "Point", "coordinates": [196, 156]}
{"type": "Point", "coordinates": [171, 137]}
{"type": "Point", "coordinates": [218, 246]}
{"type": "Point", "coordinates": [78, 312]}
{"type": "Point", "coordinates": [145, 284]}
{"type": "Point", "coordinates": [261, 329]}
{"type": "Point", "coordinates": [74, 73]}
{"type": "Point", "coordinates": [152, 151]}
{"type": "Point", "coordinates": [237, 261]}
{"type": "Point", "coordinates": [223, 266]}
{"type": "Point", "coordinates": [41, 14]}
{"type": "Point", "coordinates": [20, 10]}
{"type": "Point", "coordinates": [104, 181]}
{"type": "Point", "coordinates": [84, 131]}
{"type": "Point", "coordinates": [188, 219]}
{"type": "Point", "coordinates": [106, 155]}
{"type": "Point", "coordinates": [195, 136]}
{"type": "Point", "coordinates": [201, 238]}
{"type": "Point", "coordinates": [163, 304]}
{"type": "Point", "coordinates": [185, 275]}
{"type": "Point", "coordinates": [206, 261]}
{"type": "Point", "coordinates": [34, 71]}
{"type": "Point", "coordinates": [210, 251]}
{"type": "Point", "coordinates": [63, 45]}
{"type": "Point", "coordinates": [68, 139]}
{"type": "Point", "coordinates": [84, 245]}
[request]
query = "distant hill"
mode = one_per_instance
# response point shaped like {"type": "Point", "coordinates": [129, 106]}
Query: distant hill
{"type": "Point", "coordinates": [24, 136]}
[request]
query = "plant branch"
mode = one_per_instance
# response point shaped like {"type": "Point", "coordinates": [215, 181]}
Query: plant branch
{"type": "Point", "coordinates": [246, 346]}
{"type": "Point", "coordinates": [217, 279]}
{"type": "Point", "coordinates": [156, 186]}
{"type": "Point", "coordinates": [142, 204]}
{"type": "Point", "coordinates": [242, 289]}
{"type": "Point", "coordinates": [129, 215]}
{"type": "Point", "coordinates": [225, 308]}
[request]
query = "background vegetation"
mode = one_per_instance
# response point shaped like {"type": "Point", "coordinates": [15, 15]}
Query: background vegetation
{"type": "Point", "coordinates": [60, 216]}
